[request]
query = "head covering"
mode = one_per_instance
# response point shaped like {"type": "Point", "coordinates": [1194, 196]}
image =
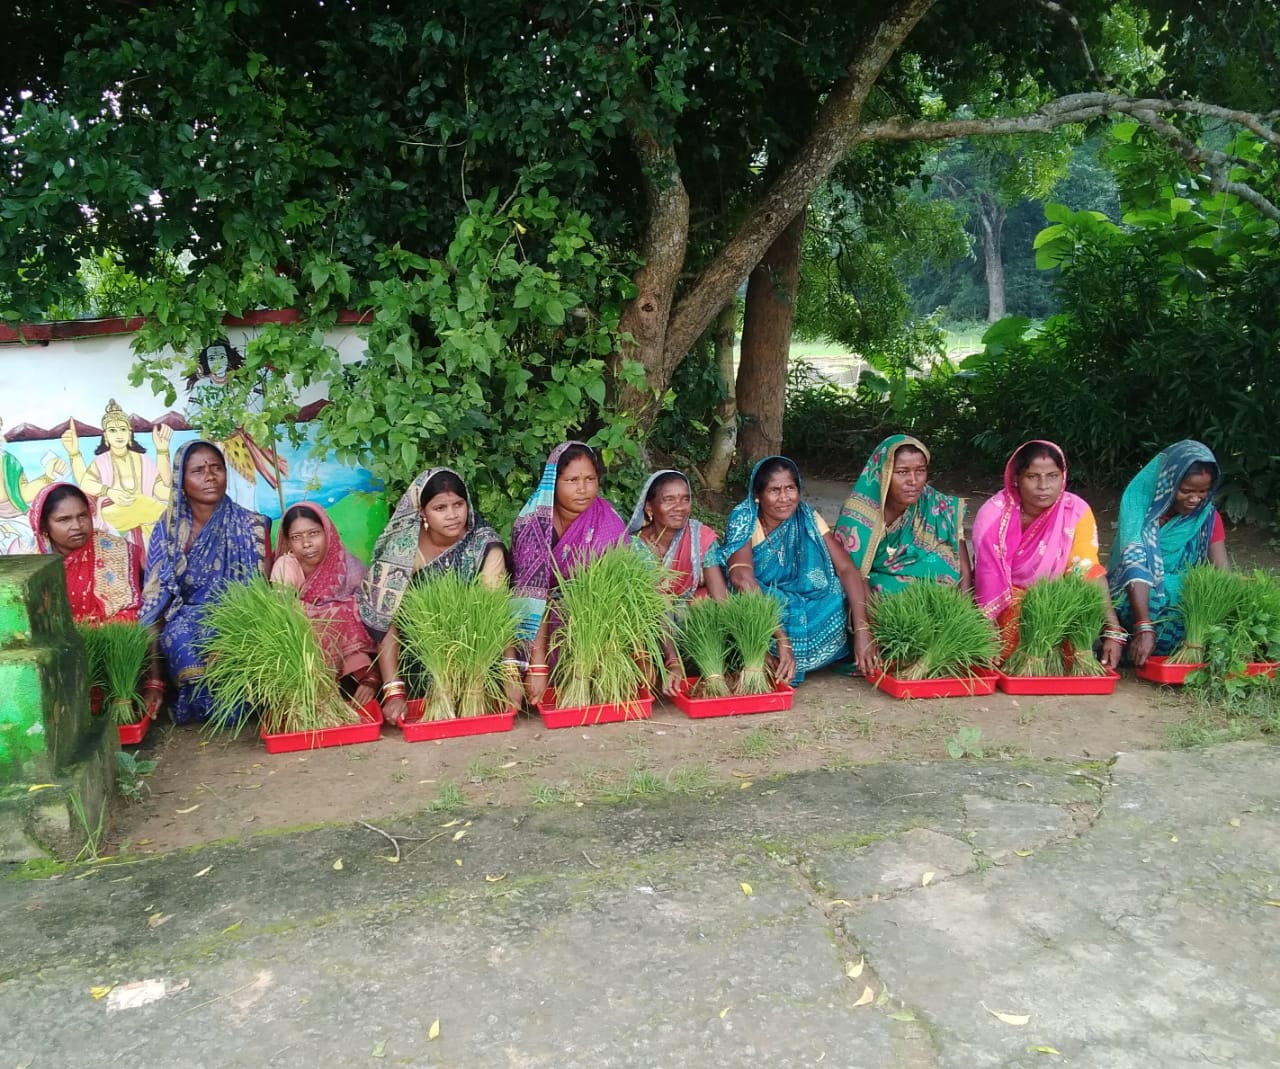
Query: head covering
{"type": "Point", "coordinates": [539, 557]}
{"type": "Point", "coordinates": [328, 596]}
{"type": "Point", "coordinates": [103, 576]}
{"type": "Point", "coordinates": [1151, 549]}
{"type": "Point", "coordinates": [793, 564]}
{"type": "Point", "coordinates": [1008, 556]}
{"type": "Point", "coordinates": [395, 554]}
{"type": "Point", "coordinates": [690, 548]}
{"type": "Point", "coordinates": [924, 542]}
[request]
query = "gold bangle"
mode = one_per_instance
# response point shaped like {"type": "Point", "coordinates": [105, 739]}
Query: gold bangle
{"type": "Point", "coordinates": [740, 564]}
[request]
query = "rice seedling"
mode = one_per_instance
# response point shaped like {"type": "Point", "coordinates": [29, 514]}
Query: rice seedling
{"type": "Point", "coordinates": [116, 653]}
{"type": "Point", "coordinates": [750, 618]}
{"type": "Point", "coordinates": [263, 654]}
{"type": "Point", "coordinates": [613, 622]}
{"type": "Point", "coordinates": [1210, 597]}
{"type": "Point", "coordinates": [456, 630]}
{"type": "Point", "coordinates": [1058, 621]}
{"type": "Point", "coordinates": [930, 630]}
{"type": "Point", "coordinates": [702, 640]}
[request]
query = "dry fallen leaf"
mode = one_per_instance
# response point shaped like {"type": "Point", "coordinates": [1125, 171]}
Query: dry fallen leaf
{"type": "Point", "coordinates": [1234, 822]}
{"type": "Point", "coordinates": [1007, 1018]}
{"type": "Point", "coordinates": [390, 859]}
{"type": "Point", "coordinates": [452, 823]}
{"type": "Point", "coordinates": [189, 809]}
{"type": "Point", "coordinates": [1024, 853]}
{"type": "Point", "coordinates": [926, 879]}
{"type": "Point", "coordinates": [1173, 838]}
{"type": "Point", "coordinates": [854, 969]}
{"type": "Point", "coordinates": [379, 1049]}
{"type": "Point", "coordinates": [723, 1012]}
{"type": "Point", "coordinates": [203, 872]}
{"type": "Point", "coordinates": [746, 888]}
{"type": "Point", "coordinates": [1043, 1050]}
{"type": "Point", "coordinates": [494, 877]}
{"type": "Point", "coordinates": [157, 919]}
{"type": "Point", "coordinates": [101, 992]}
{"type": "Point", "coordinates": [40, 787]}
{"type": "Point", "coordinates": [434, 1030]}
{"type": "Point", "coordinates": [839, 902]}
{"type": "Point", "coordinates": [867, 996]}
{"type": "Point", "coordinates": [232, 928]}
{"type": "Point", "coordinates": [457, 861]}
{"type": "Point", "coordinates": [459, 834]}
{"type": "Point", "coordinates": [1271, 901]}
{"type": "Point", "coordinates": [744, 785]}
{"type": "Point", "coordinates": [902, 1015]}
{"type": "Point", "coordinates": [337, 865]}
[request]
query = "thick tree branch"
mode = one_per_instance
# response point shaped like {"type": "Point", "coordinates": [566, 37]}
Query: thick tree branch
{"type": "Point", "coordinates": [834, 132]}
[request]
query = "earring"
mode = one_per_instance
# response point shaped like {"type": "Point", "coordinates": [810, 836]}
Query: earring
{"type": "Point", "coordinates": [648, 517]}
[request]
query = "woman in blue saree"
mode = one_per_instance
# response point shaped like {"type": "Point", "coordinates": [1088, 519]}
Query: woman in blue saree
{"type": "Point", "coordinates": [203, 542]}
{"type": "Point", "coordinates": [1167, 524]}
{"type": "Point", "coordinates": [776, 543]}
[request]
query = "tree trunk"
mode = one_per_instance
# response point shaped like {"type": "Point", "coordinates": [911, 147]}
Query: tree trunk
{"type": "Point", "coordinates": [645, 318]}
{"type": "Point", "coordinates": [991, 222]}
{"type": "Point", "coordinates": [766, 342]}
{"type": "Point", "coordinates": [715, 473]}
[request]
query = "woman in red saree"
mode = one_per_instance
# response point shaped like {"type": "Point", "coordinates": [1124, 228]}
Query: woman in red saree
{"type": "Point", "coordinates": [104, 571]}
{"type": "Point", "coordinates": [327, 577]}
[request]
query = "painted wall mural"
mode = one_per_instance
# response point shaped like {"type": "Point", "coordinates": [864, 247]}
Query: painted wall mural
{"type": "Point", "coordinates": [69, 414]}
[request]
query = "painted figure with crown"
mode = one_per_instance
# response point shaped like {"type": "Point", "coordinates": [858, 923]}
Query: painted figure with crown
{"type": "Point", "coordinates": [132, 490]}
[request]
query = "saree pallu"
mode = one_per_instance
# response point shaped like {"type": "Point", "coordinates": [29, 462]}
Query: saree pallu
{"type": "Point", "coordinates": [182, 582]}
{"type": "Point", "coordinates": [104, 576]}
{"type": "Point", "coordinates": [393, 565]}
{"type": "Point", "coordinates": [792, 564]}
{"type": "Point", "coordinates": [1157, 553]}
{"type": "Point", "coordinates": [925, 542]}
{"type": "Point", "coordinates": [328, 597]}
{"type": "Point", "coordinates": [540, 559]}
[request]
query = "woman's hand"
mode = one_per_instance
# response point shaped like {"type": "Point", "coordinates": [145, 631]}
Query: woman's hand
{"type": "Point", "coordinates": [535, 686]}
{"type": "Point", "coordinates": [1111, 651]}
{"type": "Point", "coordinates": [1142, 646]}
{"type": "Point", "coordinates": [363, 695]}
{"type": "Point", "coordinates": [784, 666]}
{"type": "Point", "coordinates": [394, 709]}
{"type": "Point", "coordinates": [674, 677]}
{"type": "Point", "coordinates": [865, 652]}
{"type": "Point", "coordinates": [153, 701]}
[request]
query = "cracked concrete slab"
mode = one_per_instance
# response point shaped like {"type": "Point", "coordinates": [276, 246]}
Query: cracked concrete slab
{"type": "Point", "coordinates": [719, 931]}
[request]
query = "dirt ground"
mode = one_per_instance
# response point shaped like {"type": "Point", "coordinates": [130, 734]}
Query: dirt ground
{"type": "Point", "coordinates": [206, 789]}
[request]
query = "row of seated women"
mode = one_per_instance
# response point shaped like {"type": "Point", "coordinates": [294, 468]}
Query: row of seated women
{"type": "Point", "coordinates": [894, 529]}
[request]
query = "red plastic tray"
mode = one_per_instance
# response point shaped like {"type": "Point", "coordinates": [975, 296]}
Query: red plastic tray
{"type": "Point", "coordinates": [776, 701]}
{"type": "Point", "coordinates": [1060, 684]}
{"type": "Point", "coordinates": [368, 730]}
{"type": "Point", "coordinates": [132, 734]}
{"type": "Point", "coordinates": [1157, 671]}
{"type": "Point", "coordinates": [578, 716]}
{"type": "Point", "coordinates": [416, 729]}
{"type": "Point", "coordinates": [982, 682]}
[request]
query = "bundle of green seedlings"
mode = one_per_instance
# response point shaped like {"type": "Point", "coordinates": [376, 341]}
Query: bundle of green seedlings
{"type": "Point", "coordinates": [1248, 630]}
{"type": "Point", "coordinates": [1057, 625]}
{"type": "Point", "coordinates": [931, 630]}
{"type": "Point", "coordinates": [1211, 599]}
{"type": "Point", "coordinates": [613, 616]}
{"type": "Point", "coordinates": [456, 631]}
{"type": "Point", "coordinates": [116, 653]}
{"type": "Point", "coordinates": [750, 619]}
{"type": "Point", "coordinates": [702, 640]}
{"type": "Point", "coordinates": [263, 654]}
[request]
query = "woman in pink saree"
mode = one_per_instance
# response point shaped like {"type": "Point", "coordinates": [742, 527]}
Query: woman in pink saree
{"type": "Point", "coordinates": [1035, 529]}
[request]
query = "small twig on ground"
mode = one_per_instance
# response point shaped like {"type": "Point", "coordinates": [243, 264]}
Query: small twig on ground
{"type": "Point", "coordinates": [213, 792]}
{"type": "Point", "coordinates": [390, 838]}
{"type": "Point", "coordinates": [915, 794]}
{"type": "Point", "coordinates": [589, 861]}
{"type": "Point", "coordinates": [218, 998]}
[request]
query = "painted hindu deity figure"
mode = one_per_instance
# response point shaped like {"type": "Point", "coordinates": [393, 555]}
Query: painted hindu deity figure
{"type": "Point", "coordinates": [132, 489]}
{"type": "Point", "coordinates": [16, 490]}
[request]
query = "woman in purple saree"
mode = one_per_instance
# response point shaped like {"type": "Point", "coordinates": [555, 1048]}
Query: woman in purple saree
{"type": "Point", "coordinates": [565, 524]}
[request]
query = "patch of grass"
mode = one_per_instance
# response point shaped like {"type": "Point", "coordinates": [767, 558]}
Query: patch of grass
{"type": "Point", "coordinates": [550, 794]}
{"type": "Point", "coordinates": [481, 769]}
{"type": "Point", "coordinates": [758, 743]}
{"type": "Point", "coordinates": [1205, 728]}
{"type": "Point", "coordinates": [643, 782]}
{"type": "Point", "coordinates": [691, 779]}
{"type": "Point", "coordinates": [448, 797]}
{"type": "Point", "coordinates": [1027, 715]}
